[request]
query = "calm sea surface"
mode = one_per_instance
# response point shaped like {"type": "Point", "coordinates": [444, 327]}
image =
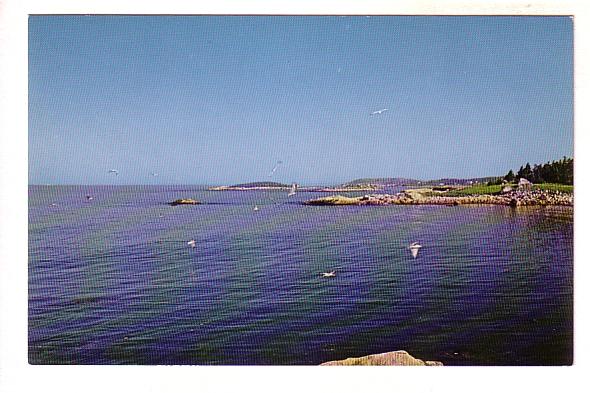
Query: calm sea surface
{"type": "Point", "coordinates": [113, 281]}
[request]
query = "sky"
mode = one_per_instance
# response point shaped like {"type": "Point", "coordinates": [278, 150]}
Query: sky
{"type": "Point", "coordinates": [222, 99]}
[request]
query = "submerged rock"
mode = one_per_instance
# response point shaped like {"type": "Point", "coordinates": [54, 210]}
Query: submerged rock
{"type": "Point", "coordinates": [187, 201]}
{"type": "Point", "coordinates": [395, 358]}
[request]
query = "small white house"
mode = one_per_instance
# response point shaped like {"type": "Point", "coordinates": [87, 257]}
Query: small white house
{"type": "Point", "coordinates": [524, 184]}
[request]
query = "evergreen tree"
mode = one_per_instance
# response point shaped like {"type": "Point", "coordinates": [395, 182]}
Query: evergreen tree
{"type": "Point", "coordinates": [509, 176]}
{"type": "Point", "coordinates": [527, 173]}
{"type": "Point", "coordinates": [561, 172]}
{"type": "Point", "coordinates": [519, 174]}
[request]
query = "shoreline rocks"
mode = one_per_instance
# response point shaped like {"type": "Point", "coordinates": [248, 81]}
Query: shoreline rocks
{"type": "Point", "coordinates": [513, 198]}
{"type": "Point", "coordinates": [395, 358]}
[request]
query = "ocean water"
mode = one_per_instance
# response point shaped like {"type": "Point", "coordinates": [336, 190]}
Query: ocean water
{"type": "Point", "coordinates": [113, 281]}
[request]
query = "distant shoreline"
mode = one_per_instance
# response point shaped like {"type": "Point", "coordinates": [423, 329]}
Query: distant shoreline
{"type": "Point", "coordinates": [300, 189]}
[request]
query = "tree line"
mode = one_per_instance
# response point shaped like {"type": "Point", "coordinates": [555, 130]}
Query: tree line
{"type": "Point", "coordinates": [561, 172]}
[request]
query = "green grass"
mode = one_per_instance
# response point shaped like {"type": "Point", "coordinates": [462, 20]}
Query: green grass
{"type": "Point", "coordinates": [482, 189]}
{"type": "Point", "coordinates": [554, 187]}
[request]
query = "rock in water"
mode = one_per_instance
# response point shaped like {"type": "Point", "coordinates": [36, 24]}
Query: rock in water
{"type": "Point", "coordinates": [396, 358]}
{"type": "Point", "coordinates": [184, 202]}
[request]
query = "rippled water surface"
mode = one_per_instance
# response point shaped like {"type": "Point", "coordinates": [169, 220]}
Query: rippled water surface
{"type": "Point", "coordinates": [113, 281]}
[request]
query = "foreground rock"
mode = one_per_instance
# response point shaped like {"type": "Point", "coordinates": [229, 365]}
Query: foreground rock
{"type": "Point", "coordinates": [184, 202]}
{"type": "Point", "coordinates": [396, 358]}
{"type": "Point", "coordinates": [412, 197]}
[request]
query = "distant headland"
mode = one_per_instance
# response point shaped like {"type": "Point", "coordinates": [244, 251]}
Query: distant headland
{"type": "Point", "coordinates": [257, 186]}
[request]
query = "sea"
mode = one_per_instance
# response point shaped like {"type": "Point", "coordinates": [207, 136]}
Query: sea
{"type": "Point", "coordinates": [113, 281]}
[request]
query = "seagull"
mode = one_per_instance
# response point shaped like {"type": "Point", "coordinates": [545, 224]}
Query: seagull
{"type": "Point", "coordinates": [380, 111]}
{"type": "Point", "coordinates": [293, 189]}
{"type": "Point", "coordinates": [89, 197]}
{"type": "Point", "coordinates": [330, 274]}
{"type": "Point", "coordinates": [275, 168]}
{"type": "Point", "coordinates": [192, 243]}
{"type": "Point", "coordinates": [116, 172]}
{"type": "Point", "coordinates": [256, 208]}
{"type": "Point", "coordinates": [414, 248]}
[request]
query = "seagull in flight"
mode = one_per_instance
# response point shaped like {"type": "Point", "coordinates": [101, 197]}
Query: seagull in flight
{"type": "Point", "coordinates": [380, 111]}
{"type": "Point", "coordinates": [275, 168]}
{"type": "Point", "coordinates": [330, 274]}
{"type": "Point", "coordinates": [414, 248]}
{"type": "Point", "coordinates": [116, 172]}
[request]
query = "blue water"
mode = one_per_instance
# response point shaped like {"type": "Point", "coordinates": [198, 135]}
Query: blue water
{"type": "Point", "coordinates": [113, 281]}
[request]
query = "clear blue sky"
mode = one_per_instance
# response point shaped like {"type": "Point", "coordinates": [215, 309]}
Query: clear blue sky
{"type": "Point", "coordinates": [215, 100]}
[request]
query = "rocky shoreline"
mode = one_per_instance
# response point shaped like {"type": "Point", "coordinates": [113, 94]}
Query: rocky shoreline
{"type": "Point", "coordinates": [512, 198]}
{"type": "Point", "coordinates": [395, 358]}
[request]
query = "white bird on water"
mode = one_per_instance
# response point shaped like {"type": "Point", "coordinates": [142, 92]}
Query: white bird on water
{"type": "Point", "coordinates": [293, 189]}
{"type": "Point", "coordinates": [380, 111]}
{"type": "Point", "coordinates": [89, 197]}
{"type": "Point", "coordinates": [256, 208]}
{"type": "Point", "coordinates": [414, 248]}
{"type": "Point", "coordinates": [330, 274]}
{"type": "Point", "coordinates": [116, 172]}
{"type": "Point", "coordinates": [192, 243]}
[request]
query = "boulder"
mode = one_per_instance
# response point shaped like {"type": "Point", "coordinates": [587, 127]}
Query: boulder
{"type": "Point", "coordinates": [187, 201]}
{"type": "Point", "coordinates": [395, 358]}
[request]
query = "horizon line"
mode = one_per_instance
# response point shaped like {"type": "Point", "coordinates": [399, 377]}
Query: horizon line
{"type": "Point", "coordinates": [259, 181]}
